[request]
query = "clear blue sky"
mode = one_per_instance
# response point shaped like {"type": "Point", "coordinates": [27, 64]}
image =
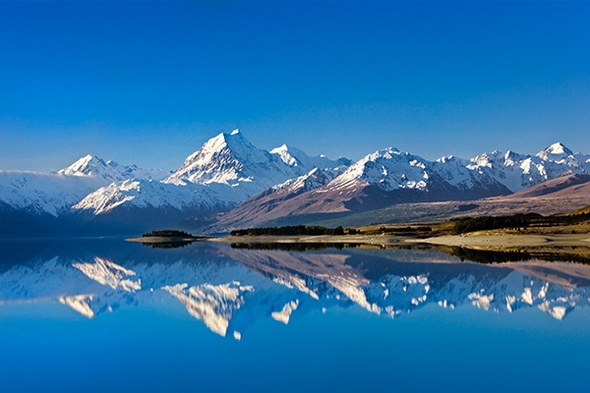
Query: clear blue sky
{"type": "Point", "coordinates": [147, 83]}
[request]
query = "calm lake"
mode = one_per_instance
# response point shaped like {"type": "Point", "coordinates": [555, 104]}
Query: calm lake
{"type": "Point", "coordinates": [108, 315]}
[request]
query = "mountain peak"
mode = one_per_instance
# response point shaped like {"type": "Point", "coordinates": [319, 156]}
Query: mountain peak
{"type": "Point", "coordinates": [283, 147]}
{"type": "Point", "coordinates": [556, 151]}
{"type": "Point", "coordinates": [284, 152]}
{"type": "Point", "coordinates": [87, 158]}
{"type": "Point", "coordinates": [109, 171]}
{"type": "Point", "coordinates": [558, 148]}
{"type": "Point", "coordinates": [88, 165]}
{"type": "Point", "coordinates": [230, 140]}
{"type": "Point", "coordinates": [229, 158]}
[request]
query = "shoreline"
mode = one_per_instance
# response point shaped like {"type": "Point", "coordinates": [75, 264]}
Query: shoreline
{"type": "Point", "coordinates": [509, 240]}
{"type": "Point", "coordinates": [468, 241]}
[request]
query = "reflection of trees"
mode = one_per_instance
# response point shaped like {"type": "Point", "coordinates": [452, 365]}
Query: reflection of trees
{"type": "Point", "coordinates": [173, 244]}
{"type": "Point", "coordinates": [485, 256]}
{"type": "Point", "coordinates": [293, 246]}
{"type": "Point", "coordinates": [488, 256]}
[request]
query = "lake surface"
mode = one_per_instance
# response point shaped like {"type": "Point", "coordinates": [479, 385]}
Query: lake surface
{"type": "Point", "coordinates": [107, 315]}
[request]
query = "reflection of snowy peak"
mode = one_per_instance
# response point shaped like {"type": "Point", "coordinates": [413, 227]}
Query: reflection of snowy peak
{"type": "Point", "coordinates": [213, 304]}
{"type": "Point", "coordinates": [108, 273]}
{"type": "Point", "coordinates": [229, 289]}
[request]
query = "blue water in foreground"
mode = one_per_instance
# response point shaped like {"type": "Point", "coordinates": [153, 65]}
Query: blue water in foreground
{"type": "Point", "coordinates": [112, 316]}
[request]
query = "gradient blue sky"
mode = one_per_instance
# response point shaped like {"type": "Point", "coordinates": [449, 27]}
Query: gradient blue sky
{"type": "Point", "coordinates": [148, 83]}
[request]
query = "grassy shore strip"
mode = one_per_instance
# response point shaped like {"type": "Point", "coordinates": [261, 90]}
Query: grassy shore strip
{"type": "Point", "coordinates": [472, 240]}
{"type": "Point", "coordinates": [356, 239]}
{"type": "Point", "coordinates": [499, 241]}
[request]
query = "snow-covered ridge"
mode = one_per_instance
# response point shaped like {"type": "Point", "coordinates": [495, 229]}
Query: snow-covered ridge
{"type": "Point", "coordinates": [110, 171]}
{"type": "Point", "coordinates": [296, 157]}
{"type": "Point", "coordinates": [391, 169]}
{"type": "Point", "coordinates": [232, 160]}
{"type": "Point", "coordinates": [313, 179]}
{"type": "Point", "coordinates": [518, 171]}
{"type": "Point", "coordinates": [55, 193]}
{"type": "Point", "coordinates": [228, 170]}
{"type": "Point", "coordinates": [225, 171]}
{"type": "Point", "coordinates": [44, 193]}
{"type": "Point", "coordinates": [152, 194]}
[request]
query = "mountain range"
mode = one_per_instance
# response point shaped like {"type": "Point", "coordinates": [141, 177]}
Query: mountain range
{"type": "Point", "coordinates": [229, 183]}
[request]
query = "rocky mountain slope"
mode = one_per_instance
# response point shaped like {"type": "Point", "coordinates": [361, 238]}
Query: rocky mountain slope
{"type": "Point", "coordinates": [389, 177]}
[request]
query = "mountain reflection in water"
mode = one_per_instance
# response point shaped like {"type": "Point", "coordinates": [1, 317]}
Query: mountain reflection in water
{"type": "Point", "coordinates": [230, 288]}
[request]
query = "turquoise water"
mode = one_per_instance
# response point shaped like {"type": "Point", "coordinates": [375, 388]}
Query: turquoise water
{"type": "Point", "coordinates": [119, 317]}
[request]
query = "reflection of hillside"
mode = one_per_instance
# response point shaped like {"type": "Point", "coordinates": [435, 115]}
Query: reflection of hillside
{"type": "Point", "coordinates": [386, 284]}
{"type": "Point", "coordinates": [488, 256]}
{"type": "Point", "coordinates": [308, 272]}
{"type": "Point", "coordinates": [229, 289]}
{"type": "Point", "coordinates": [567, 275]}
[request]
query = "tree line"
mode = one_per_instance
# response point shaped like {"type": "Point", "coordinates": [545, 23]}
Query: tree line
{"type": "Point", "coordinates": [167, 233]}
{"type": "Point", "coordinates": [516, 221]}
{"type": "Point", "coordinates": [294, 230]}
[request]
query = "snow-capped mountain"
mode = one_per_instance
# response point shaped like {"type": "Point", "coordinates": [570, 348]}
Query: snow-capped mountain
{"type": "Point", "coordinates": [265, 206]}
{"type": "Point", "coordinates": [315, 178]}
{"type": "Point", "coordinates": [391, 170]}
{"type": "Point", "coordinates": [110, 171]}
{"type": "Point", "coordinates": [285, 182]}
{"type": "Point", "coordinates": [296, 157]}
{"type": "Point", "coordinates": [378, 180]}
{"type": "Point", "coordinates": [44, 193]}
{"type": "Point", "coordinates": [390, 176]}
{"type": "Point", "coordinates": [519, 171]}
{"type": "Point", "coordinates": [232, 160]}
{"type": "Point", "coordinates": [152, 194]}
{"type": "Point", "coordinates": [55, 193]}
{"type": "Point", "coordinates": [225, 171]}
